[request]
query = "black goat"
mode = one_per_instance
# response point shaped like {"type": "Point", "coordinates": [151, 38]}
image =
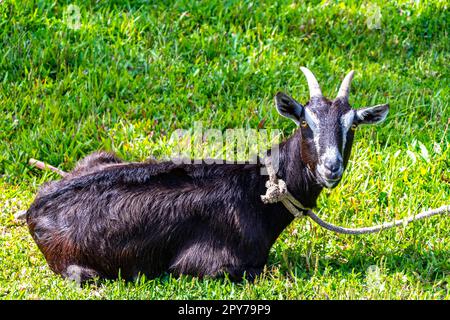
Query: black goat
{"type": "Point", "coordinates": [107, 217]}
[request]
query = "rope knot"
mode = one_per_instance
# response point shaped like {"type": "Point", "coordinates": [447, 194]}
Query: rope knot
{"type": "Point", "coordinates": [276, 191]}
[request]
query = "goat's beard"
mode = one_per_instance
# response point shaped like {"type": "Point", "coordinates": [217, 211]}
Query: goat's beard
{"type": "Point", "coordinates": [329, 184]}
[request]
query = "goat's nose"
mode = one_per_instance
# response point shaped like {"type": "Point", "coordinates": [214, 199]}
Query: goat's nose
{"type": "Point", "coordinates": [332, 169]}
{"type": "Point", "coordinates": [332, 166]}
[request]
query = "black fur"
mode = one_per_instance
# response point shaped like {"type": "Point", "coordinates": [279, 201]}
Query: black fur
{"type": "Point", "coordinates": [107, 217]}
{"type": "Point", "coordinates": [148, 218]}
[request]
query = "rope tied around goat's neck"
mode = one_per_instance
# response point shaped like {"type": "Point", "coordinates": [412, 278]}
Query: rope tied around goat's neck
{"type": "Point", "coordinates": [277, 192]}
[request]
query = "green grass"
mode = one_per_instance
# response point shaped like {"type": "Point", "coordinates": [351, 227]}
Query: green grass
{"type": "Point", "coordinates": [134, 72]}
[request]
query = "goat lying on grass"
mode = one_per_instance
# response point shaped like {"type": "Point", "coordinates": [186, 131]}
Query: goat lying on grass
{"type": "Point", "coordinates": [107, 217]}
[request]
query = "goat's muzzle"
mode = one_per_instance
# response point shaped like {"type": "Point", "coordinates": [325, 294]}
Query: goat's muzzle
{"type": "Point", "coordinates": [329, 173]}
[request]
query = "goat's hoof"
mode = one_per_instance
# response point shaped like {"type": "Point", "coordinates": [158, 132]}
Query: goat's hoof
{"type": "Point", "coordinates": [80, 275]}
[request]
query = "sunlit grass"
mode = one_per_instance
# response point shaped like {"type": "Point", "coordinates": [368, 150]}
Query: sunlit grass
{"type": "Point", "coordinates": [135, 72]}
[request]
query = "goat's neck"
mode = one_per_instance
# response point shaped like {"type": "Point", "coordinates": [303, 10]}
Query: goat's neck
{"type": "Point", "coordinates": [300, 181]}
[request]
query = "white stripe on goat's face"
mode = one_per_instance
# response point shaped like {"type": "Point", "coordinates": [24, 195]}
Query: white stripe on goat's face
{"type": "Point", "coordinates": [346, 124]}
{"type": "Point", "coordinates": [313, 123]}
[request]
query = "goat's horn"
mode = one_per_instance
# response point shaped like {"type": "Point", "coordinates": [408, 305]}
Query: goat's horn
{"type": "Point", "coordinates": [344, 90]}
{"type": "Point", "coordinates": [314, 88]}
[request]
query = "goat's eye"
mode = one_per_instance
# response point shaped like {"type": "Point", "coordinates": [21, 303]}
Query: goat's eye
{"type": "Point", "coordinates": [354, 126]}
{"type": "Point", "coordinates": [304, 124]}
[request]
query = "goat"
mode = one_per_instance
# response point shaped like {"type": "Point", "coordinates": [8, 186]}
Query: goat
{"type": "Point", "coordinates": [108, 218]}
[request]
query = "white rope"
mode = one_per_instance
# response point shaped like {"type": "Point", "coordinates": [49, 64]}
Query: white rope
{"type": "Point", "coordinates": [380, 227]}
{"type": "Point", "coordinates": [277, 192]}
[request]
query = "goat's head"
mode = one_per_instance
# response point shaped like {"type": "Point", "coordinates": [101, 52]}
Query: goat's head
{"type": "Point", "coordinates": [327, 127]}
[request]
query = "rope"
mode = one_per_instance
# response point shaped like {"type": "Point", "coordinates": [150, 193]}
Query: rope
{"type": "Point", "coordinates": [43, 166]}
{"type": "Point", "coordinates": [384, 226]}
{"type": "Point", "coordinates": [277, 192]}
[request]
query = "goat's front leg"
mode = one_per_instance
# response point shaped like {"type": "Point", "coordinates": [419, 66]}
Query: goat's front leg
{"type": "Point", "coordinates": [239, 273]}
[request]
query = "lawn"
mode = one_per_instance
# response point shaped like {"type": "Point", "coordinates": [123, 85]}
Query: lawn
{"type": "Point", "coordinates": [126, 74]}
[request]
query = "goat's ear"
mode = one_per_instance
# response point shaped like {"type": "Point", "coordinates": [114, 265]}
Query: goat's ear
{"type": "Point", "coordinates": [288, 107]}
{"type": "Point", "coordinates": [372, 115]}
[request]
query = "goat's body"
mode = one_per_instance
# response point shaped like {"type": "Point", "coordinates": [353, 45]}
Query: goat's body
{"type": "Point", "coordinates": [107, 217]}
{"type": "Point", "coordinates": [132, 219]}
